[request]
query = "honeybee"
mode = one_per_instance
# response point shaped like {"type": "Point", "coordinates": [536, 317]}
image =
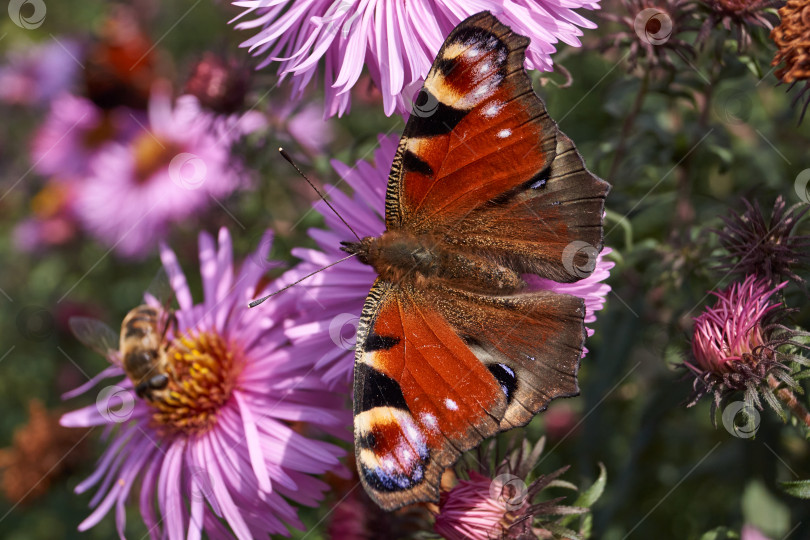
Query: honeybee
{"type": "Point", "coordinates": [140, 348]}
{"type": "Point", "coordinates": [141, 345]}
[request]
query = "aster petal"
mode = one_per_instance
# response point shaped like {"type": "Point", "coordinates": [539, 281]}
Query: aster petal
{"type": "Point", "coordinates": [254, 450]}
{"type": "Point", "coordinates": [177, 278]}
{"type": "Point", "coordinates": [229, 509]}
{"type": "Point", "coordinates": [169, 495]}
{"type": "Point", "coordinates": [396, 41]}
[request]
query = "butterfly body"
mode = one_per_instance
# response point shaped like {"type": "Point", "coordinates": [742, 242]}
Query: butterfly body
{"type": "Point", "coordinates": [453, 345]}
{"type": "Point", "coordinates": [426, 260]}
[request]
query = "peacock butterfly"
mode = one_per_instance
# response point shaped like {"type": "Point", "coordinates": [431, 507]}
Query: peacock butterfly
{"type": "Point", "coordinates": [452, 345]}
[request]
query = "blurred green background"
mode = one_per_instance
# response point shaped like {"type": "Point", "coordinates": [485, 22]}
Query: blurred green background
{"type": "Point", "coordinates": [705, 136]}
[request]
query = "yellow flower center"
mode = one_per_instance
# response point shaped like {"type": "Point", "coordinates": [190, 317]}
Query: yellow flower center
{"type": "Point", "coordinates": [49, 201]}
{"type": "Point", "coordinates": [152, 154]}
{"type": "Point", "coordinates": [202, 370]}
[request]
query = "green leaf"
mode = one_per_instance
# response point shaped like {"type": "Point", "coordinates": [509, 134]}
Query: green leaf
{"type": "Point", "coordinates": [588, 497]}
{"type": "Point", "coordinates": [560, 531]}
{"type": "Point", "coordinates": [764, 511]}
{"type": "Point", "coordinates": [797, 488]}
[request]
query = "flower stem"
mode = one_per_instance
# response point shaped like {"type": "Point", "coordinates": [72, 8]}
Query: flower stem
{"type": "Point", "coordinates": [788, 398]}
{"type": "Point", "coordinates": [629, 121]}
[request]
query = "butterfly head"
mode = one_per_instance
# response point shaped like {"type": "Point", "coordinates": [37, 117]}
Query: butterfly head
{"type": "Point", "coordinates": [360, 249]}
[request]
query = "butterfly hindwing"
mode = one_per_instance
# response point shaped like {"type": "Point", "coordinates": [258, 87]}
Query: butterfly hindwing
{"type": "Point", "coordinates": [437, 371]}
{"type": "Point", "coordinates": [530, 342]}
{"type": "Point", "coordinates": [421, 396]}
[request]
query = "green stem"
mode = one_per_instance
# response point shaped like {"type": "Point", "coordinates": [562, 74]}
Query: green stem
{"type": "Point", "coordinates": [627, 126]}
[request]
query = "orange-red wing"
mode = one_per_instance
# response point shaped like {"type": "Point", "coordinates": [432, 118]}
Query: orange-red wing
{"type": "Point", "coordinates": [480, 150]}
{"type": "Point", "coordinates": [531, 343]}
{"type": "Point", "coordinates": [420, 397]}
{"type": "Point", "coordinates": [553, 229]}
{"type": "Point", "coordinates": [437, 371]}
{"type": "Point", "coordinates": [477, 129]}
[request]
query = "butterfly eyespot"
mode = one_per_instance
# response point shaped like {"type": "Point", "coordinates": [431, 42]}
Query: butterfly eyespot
{"type": "Point", "coordinates": [504, 133]}
{"type": "Point", "coordinates": [450, 404]}
{"type": "Point", "coordinates": [369, 440]}
{"type": "Point", "coordinates": [506, 379]}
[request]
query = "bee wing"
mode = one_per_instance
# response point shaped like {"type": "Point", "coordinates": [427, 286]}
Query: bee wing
{"type": "Point", "coordinates": [161, 289]}
{"type": "Point", "coordinates": [95, 334]}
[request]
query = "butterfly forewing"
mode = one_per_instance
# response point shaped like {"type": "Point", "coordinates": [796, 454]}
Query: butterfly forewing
{"type": "Point", "coordinates": [487, 166]}
{"type": "Point", "coordinates": [552, 228]}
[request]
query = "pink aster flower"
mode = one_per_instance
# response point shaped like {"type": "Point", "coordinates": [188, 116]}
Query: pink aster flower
{"type": "Point", "coordinates": [217, 449]}
{"type": "Point", "coordinates": [335, 297]}
{"type": "Point", "coordinates": [397, 41]}
{"type": "Point", "coordinates": [73, 133]}
{"type": "Point", "coordinates": [172, 170]}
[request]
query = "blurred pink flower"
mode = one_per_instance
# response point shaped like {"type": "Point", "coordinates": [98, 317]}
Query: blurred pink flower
{"type": "Point", "coordinates": [749, 532]}
{"type": "Point", "coordinates": [73, 133]}
{"type": "Point", "coordinates": [302, 125]}
{"type": "Point", "coordinates": [218, 450]}
{"type": "Point", "coordinates": [174, 168]}
{"type": "Point", "coordinates": [397, 42]}
{"type": "Point", "coordinates": [53, 221]}
{"type": "Point", "coordinates": [38, 73]}
{"type": "Point", "coordinates": [335, 296]}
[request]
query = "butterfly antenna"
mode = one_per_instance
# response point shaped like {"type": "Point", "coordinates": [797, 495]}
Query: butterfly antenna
{"type": "Point", "coordinates": [289, 158]}
{"type": "Point", "coordinates": [260, 300]}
